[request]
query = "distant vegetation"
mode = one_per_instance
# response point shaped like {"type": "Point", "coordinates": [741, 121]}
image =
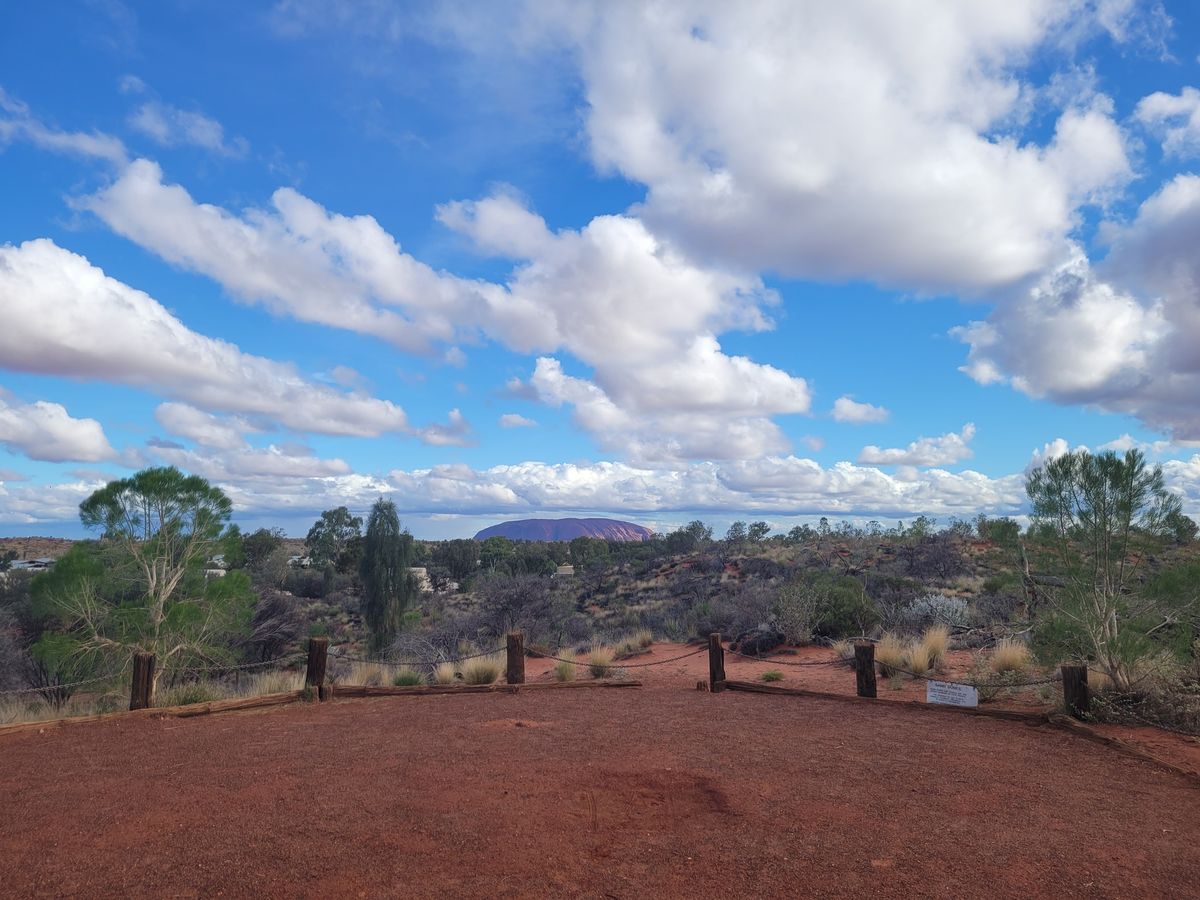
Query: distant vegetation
{"type": "Point", "coordinates": [1107, 572]}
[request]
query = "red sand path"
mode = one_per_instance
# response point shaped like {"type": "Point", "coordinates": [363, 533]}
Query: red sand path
{"type": "Point", "coordinates": [660, 791]}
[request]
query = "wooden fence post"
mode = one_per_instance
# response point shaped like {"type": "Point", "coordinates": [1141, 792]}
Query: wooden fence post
{"type": "Point", "coordinates": [1076, 697]}
{"type": "Point", "coordinates": [318, 658]}
{"type": "Point", "coordinates": [141, 692]}
{"type": "Point", "coordinates": [864, 668]}
{"type": "Point", "coordinates": [716, 663]}
{"type": "Point", "coordinates": [515, 674]}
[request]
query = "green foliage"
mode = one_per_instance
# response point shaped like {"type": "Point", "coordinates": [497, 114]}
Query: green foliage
{"type": "Point", "coordinates": [843, 610]}
{"type": "Point", "coordinates": [334, 538]}
{"type": "Point", "coordinates": [772, 675]}
{"type": "Point", "coordinates": [735, 536]}
{"type": "Point", "coordinates": [6, 559]}
{"type": "Point", "coordinates": [1097, 510]}
{"type": "Point", "coordinates": [458, 557]}
{"type": "Point", "coordinates": [407, 677]}
{"type": "Point", "coordinates": [144, 588]}
{"type": "Point", "coordinates": [258, 546]}
{"type": "Point", "coordinates": [388, 587]}
{"type": "Point", "coordinates": [757, 532]}
{"type": "Point", "coordinates": [1181, 528]}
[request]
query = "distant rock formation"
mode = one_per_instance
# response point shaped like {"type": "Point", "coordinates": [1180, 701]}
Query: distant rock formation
{"type": "Point", "coordinates": [565, 530]}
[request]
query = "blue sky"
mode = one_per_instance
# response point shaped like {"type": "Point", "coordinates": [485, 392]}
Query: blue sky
{"type": "Point", "coordinates": [656, 262]}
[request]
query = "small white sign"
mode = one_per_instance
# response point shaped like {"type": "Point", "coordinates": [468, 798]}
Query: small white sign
{"type": "Point", "coordinates": [951, 694]}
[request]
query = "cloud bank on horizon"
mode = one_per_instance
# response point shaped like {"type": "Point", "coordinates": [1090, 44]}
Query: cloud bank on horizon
{"type": "Point", "coordinates": [656, 260]}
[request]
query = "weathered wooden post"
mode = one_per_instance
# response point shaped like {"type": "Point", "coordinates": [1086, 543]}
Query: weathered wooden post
{"type": "Point", "coordinates": [318, 658]}
{"type": "Point", "coordinates": [864, 668]}
{"type": "Point", "coordinates": [515, 673]}
{"type": "Point", "coordinates": [141, 692]}
{"type": "Point", "coordinates": [1076, 697]}
{"type": "Point", "coordinates": [716, 663]}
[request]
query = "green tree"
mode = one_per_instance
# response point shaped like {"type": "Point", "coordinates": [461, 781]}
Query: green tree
{"type": "Point", "coordinates": [332, 539]}
{"type": "Point", "coordinates": [1097, 510]}
{"type": "Point", "coordinates": [757, 532]}
{"type": "Point", "coordinates": [144, 588]}
{"type": "Point", "coordinates": [258, 546]}
{"type": "Point", "coordinates": [459, 556]}
{"type": "Point", "coordinates": [388, 585]}
{"type": "Point", "coordinates": [735, 536]}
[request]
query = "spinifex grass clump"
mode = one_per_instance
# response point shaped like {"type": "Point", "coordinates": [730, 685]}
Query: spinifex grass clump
{"type": "Point", "coordinates": [936, 642]}
{"type": "Point", "coordinates": [889, 655]}
{"type": "Point", "coordinates": [844, 651]}
{"type": "Point", "coordinates": [565, 671]}
{"type": "Point", "coordinates": [916, 658]}
{"type": "Point", "coordinates": [1010, 656]}
{"type": "Point", "coordinates": [406, 677]}
{"type": "Point", "coordinates": [599, 661]}
{"type": "Point", "coordinates": [444, 673]}
{"type": "Point", "coordinates": [772, 675]}
{"type": "Point", "coordinates": [483, 669]}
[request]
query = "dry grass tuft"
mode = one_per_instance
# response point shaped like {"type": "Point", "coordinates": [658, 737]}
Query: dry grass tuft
{"type": "Point", "coordinates": [277, 682]}
{"type": "Point", "coordinates": [889, 655]}
{"type": "Point", "coordinates": [936, 642]}
{"type": "Point", "coordinates": [444, 673]}
{"type": "Point", "coordinates": [843, 650]}
{"type": "Point", "coordinates": [365, 673]}
{"type": "Point", "coordinates": [564, 671]}
{"type": "Point", "coordinates": [1010, 656]}
{"type": "Point", "coordinates": [917, 658]}
{"type": "Point", "coordinates": [600, 660]}
{"type": "Point", "coordinates": [483, 669]}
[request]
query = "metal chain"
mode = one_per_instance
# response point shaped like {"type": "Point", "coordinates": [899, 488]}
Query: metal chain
{"type": "Point", "coordinates": [784, 662]}
{"type": "Point", "coordinates": [616, 664]}
{"type": "Point", "coordinates": [54, 687]}
{"type": "Point", "coordinates": [1051, 679]}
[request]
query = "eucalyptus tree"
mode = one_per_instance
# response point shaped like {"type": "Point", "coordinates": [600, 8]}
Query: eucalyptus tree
{"type": "Point", "coordinates": [1102, 513]}
{"type": "Point", "coordinates": [144, 585]}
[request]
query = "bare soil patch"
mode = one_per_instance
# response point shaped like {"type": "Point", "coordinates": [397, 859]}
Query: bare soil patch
{"type": "Point", "coordinates": [653, 792]}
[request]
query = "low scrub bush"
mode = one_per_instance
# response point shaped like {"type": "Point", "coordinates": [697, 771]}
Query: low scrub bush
{"type": "Point", "coordinates": [483, 669]}
{"type": "Point", "coordinates": [933, 609]}
{"type": "Point", "coordinates": [600, 661]}
{"type": "Point", "coordinates": [406, 677]}
{"type": "Point", "coordinates": [772, 675]}
{"type": "Point", "coordinates": [443, 673]}
{"type": "Point", "coordinates": [889, 655]}
{"type": "Point", "coordinates": [1010, 656]}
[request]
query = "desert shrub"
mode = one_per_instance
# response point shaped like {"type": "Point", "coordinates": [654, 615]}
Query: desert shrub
{"type": "Point", "coordinates": [990, 608]}
{"type": "Point", "coordinates": [643, 638]}
{"type": "Point", "coordinates": [599, 661]}
{"type": "Point", "coordinates": [443, 673]}
{"type": "Point", "coordinates": [190, 692]}
{"type": "Point", "coordinates": [936, 641]}
{"type": "Point", "coordinates": [933, 609]}
{"type": "Point", "coordinates": [772, 675]}
{"type": "Point", "coordinates": [1164, 703]}
{"type": "Point", "coordinates": [843, 607]}
{"type": "Point", "coordinates": [275, 625]}
{"type": "Point", "coordinates": [483, 669]}
{"type": "Point", "coordinates": [407, 677]}
{"type": "Point", "coordinates": [1010, 656]}
{"type": "Point", "coordinates": [889, 655]}
{"type": "Point", "coordinates": [795, 611]}
{"type": "Point", "coordinates": [1004, 583]}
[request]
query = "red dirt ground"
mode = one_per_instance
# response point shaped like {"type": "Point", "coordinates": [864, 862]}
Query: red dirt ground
{"type": "Point", "coordinates": [658, 791]}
